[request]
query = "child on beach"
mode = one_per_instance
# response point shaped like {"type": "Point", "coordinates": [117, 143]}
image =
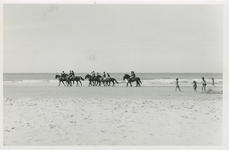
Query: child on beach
{"type": "Point", "coordinates": [203, 85]}
{"type": "Point", "coordinates": [177, 85]}
{"type": "Point", "coordinates": [213, 82]}
{"type": "Point", "coordinates": [194, 86]}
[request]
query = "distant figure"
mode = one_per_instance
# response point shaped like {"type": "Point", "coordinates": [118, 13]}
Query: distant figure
{"type": "Point", "coordinates": [70, 74]}
{"type": "Point", "coordinates": [177, 85]}
{"type": "Point", "coordinates": [93, 74]}
{"type": "Point", "coordinates": [63, 74]}
{"type": "Point", "coordinates": [132, 75]}
{"type": "Point", "coordinates": [98, 74]}
{"type": "Point", "coordinates": [73, 74]}
{"type": "Point", "coordinates": [203, 85]}
{"type": "Point", "coordinates": [213, 82]}
{"type": "Point", "coordinates": [108, 75]}
{"type": "Point", "coordinates": [104, 74]}
{"type": "Point", "coordinates": [194, 86]}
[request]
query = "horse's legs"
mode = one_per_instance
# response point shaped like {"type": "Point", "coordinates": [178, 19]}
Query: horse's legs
{"type": "Point", "coordinates": [80, 82]}
{"type": "Point", "coordinates": [63, 83]}
{"type": "Point", "coordinates": [113, 83]}
{"type": "Point", "coordinates": [59, 83]}
{"type": "Point", "coordinates": [137, 83]}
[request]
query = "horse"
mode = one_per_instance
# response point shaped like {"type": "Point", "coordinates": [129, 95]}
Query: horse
{"type": "Point", "coordinates": [109, 80]}
{"type": "Point", "coordinates": [61, 79]}
{"type": "Point", "coordinates": [91, 80]}
{"type": "Point", "coordinates": [137, 79]}
{"type": "Point", "coordinates": [98, 80]}
{"type": "Point", "coordinates": [77, 79]}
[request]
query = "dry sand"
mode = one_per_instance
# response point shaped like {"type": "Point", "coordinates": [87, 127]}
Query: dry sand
{"type": "Point", "coordinates": [44, 114]}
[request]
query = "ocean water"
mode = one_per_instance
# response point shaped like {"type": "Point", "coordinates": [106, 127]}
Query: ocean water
{"type": "Point", "coordinates": [153, 79]}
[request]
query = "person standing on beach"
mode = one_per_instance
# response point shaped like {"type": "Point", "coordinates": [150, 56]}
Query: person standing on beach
{"type": "Point", "coordinates": [203, 85]}
{"type": "Point", "coordinates": [194, 86]}
{"type": "Point", "coordinates": [213, 82]}
{"type": "Point", "coordinates": [177, 85]}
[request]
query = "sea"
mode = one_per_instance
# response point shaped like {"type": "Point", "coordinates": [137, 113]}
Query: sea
{"type": "Point", "coordinates": [148, 79]}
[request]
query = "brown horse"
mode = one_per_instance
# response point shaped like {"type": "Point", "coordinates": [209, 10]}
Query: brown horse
{"type": "Point", "coordinates": [77, 79]}
{"type": "Point", "coordinates": [107, 81]}
{"type": "Point", "coordinates": [61, 79]}
{"type": "Point", "coordinates": [129, 80]}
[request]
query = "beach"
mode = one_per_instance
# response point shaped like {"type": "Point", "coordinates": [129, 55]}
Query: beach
{"type": "Point", "coordinates": [43, 114]}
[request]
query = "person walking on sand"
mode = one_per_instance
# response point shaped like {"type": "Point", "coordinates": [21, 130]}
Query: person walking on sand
{"type": "Point", "coordinates": [177, 85]}
{"type": "Point", "coordinates": [194, 86]}
{"type": "Point", "coordinates": [203, 85]}
{"type": "Point", "coordinates": [213, 82]}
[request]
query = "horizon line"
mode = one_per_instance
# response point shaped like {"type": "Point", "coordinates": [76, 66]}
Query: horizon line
{"type": "Point", "coordinates": [115, 72]}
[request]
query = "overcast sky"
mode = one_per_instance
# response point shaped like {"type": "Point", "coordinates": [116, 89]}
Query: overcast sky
{"type": "Point", "coordinates": [112, 38]}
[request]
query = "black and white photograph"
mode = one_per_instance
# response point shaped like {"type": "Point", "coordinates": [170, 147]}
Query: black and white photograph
{"type": "Point", "coordinates": [113, 74]}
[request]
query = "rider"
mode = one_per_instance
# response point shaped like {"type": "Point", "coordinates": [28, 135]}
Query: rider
{"type": "Point", "coordinates": [104, 74]}
{"type": "Point", "coordinates": [73, 74]}
{"type": "Point", "coordinates": [132, 75]}
{"type": "Point", "coordinates": [98, 74]}
{"type": "Point", "coordinates": [108, 75]}
{"type": "Point", "coordinates": [63, 74]}
{"type": "Point", "coordinates": [93, 74]}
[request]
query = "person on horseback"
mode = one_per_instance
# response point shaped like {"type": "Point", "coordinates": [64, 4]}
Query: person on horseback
{"type": "Point", "coordinates": [104, 74]}
{"type": "Point", "coordinates": [70, 74]}
{"type": "Point", "coordinates": [98, 74]}
{"type": "Point", "coordinates": [73, 74]}
{"type": "Point", "coordinates": [93, 74]}
{"type": "Point", "coordinates": [62, 74]}
{"type": "Point", "coordinates": [132, 75]}
{"type": "Point", "coordinates": [108, 75]}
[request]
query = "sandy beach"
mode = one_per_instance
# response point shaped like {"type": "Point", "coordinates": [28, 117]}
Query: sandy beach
{"type": "Point", "coordinates": [38, 114]}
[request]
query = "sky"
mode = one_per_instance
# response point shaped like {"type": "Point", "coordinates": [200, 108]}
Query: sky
{"type": "Point", "coordinates": [40, 38]}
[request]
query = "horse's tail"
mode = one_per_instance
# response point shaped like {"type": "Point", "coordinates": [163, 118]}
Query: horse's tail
{"type": "Point", "coordinates": [116, 81]}
{"type": "Point", "coordinates": [81, 78]}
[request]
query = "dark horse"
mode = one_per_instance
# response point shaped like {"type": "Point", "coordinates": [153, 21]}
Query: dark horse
{"type": "Point", "coordinates": [92, 80]}
{"type": "Point", "coordinates": [77, 79]}
{"type": "Point", "coordinates": [61, 79]}
{"type": "Point", "coordinates": [107, 81]}
{"type": "Point", "coordinates": [137, 79]}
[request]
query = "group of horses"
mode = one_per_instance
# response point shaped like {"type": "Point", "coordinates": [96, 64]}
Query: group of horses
{"type": "Point", "coordinates": [96, 80]}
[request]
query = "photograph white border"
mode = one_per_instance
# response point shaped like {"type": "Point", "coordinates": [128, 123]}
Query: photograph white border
{"type": "Point", "coordinates": [225, 3]}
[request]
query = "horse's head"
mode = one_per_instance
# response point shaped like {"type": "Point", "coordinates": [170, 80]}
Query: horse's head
{"type": "Point", "coordinates": [99, 76]}
{"type": "Point", "coordinates": [87, 76]}
{"type": "Point", "coordinates": [57, 76]}
{"type": "Point", "coordinates": [126, 76]}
